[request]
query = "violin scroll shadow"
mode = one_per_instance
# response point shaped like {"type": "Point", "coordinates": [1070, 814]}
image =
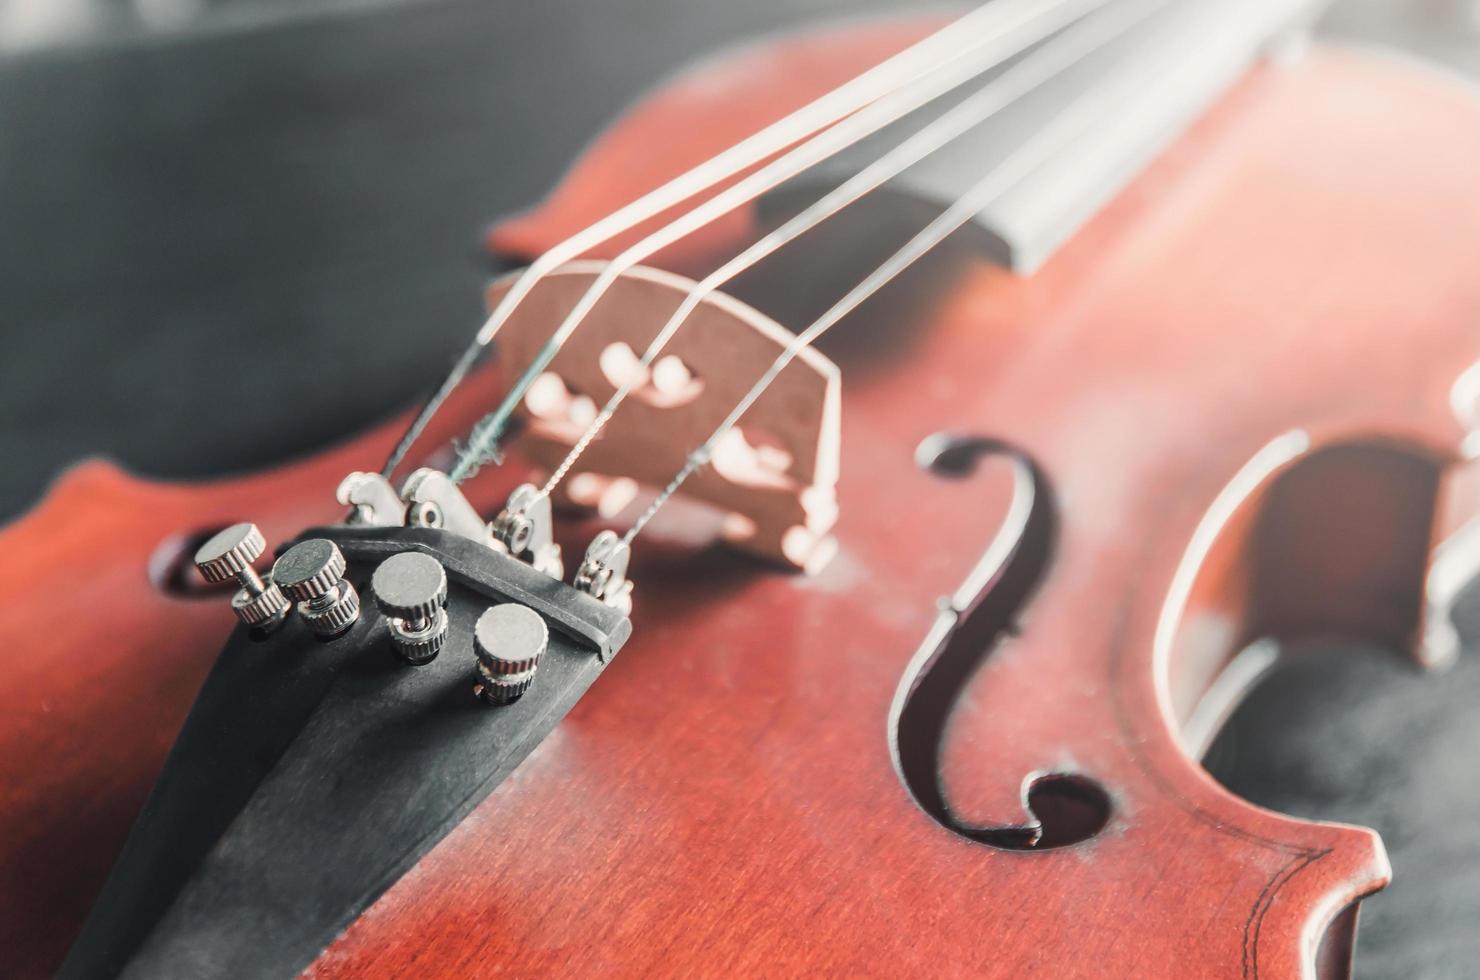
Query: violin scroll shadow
{"type": "Point", "coordinates": [1061, 808]}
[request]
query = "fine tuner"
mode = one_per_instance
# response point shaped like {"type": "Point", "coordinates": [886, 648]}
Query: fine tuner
{"type": "Point", "coordinates": [410, 591]}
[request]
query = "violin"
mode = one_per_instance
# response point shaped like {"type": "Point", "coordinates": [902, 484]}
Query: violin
{"type": "Point", "coordinates": [892, 460]}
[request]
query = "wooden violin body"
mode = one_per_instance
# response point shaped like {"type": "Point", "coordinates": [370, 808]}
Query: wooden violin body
{"type": "Point", "coordinates": [1227, 410]}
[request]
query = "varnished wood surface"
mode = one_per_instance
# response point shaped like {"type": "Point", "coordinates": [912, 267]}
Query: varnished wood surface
{"type": "Point", "coordinates": [723, 801]}
{"type": "Point", "coordinates": [1206, 253]}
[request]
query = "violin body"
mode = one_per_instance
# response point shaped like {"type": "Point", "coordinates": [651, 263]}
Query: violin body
{"type": "Point", "coordinates": [1226, 410]}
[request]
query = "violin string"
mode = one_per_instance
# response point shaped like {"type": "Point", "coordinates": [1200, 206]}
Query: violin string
{"type": "Point", "coordinates": [1069, 122]}
{"type": "Point", "coordinates": [980, 55]}
{"type": "Point", "coordinates": [914, 61]}
{"type": "Point", "coordinates": [1039, 67]}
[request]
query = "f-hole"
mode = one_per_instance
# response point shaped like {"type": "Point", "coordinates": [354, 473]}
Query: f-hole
{"type": "Point", "coordinates": [1064, 808]}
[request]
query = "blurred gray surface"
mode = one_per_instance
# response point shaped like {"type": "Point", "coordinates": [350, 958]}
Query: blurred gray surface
{"type": "Point", "coordinates": [1363, 736]}
{"type": "Point", "coordinates": [232, 231]}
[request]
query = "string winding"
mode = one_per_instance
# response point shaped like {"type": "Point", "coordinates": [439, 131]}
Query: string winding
{"type": "Point", "coordinates": [1074, 119]}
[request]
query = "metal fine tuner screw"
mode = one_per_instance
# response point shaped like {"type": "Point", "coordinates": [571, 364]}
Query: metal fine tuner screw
{"type": "Point", "coordinates": [411, 591]}
{"type": "Point", "coordinates": [311, 573]}
{"type": "Point", "coordinates": [229, 555]}
{"type": "Point", "coordinates": [509, 640]}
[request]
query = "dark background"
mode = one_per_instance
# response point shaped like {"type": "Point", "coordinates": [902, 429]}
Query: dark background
{"type": "Point", "coordinates": [234, 231]}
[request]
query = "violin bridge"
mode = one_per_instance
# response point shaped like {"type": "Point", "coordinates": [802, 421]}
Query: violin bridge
{"type": "Point", "coordinates": [773, 477]}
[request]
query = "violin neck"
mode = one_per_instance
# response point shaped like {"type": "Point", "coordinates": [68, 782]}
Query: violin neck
{"type": "Point", "coordinates": [1125, 101]}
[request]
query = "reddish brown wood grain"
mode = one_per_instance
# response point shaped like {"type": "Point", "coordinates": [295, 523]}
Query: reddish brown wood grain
{"type": "Point", "coordinates": [723, 802]}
